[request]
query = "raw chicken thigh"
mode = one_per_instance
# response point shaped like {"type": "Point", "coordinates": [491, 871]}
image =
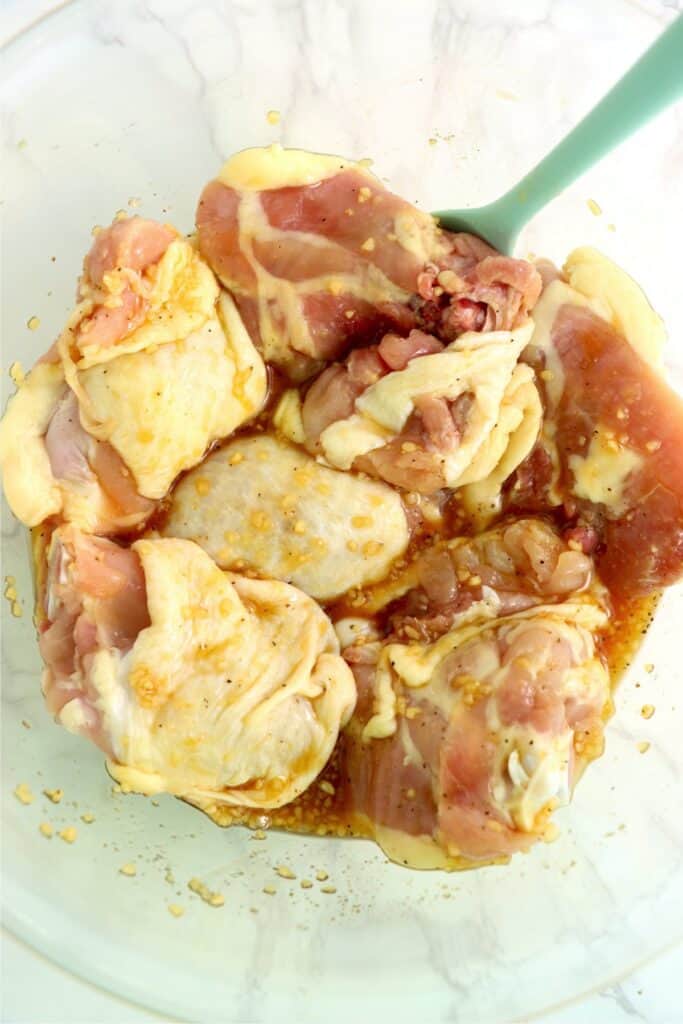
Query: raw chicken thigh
{"type": "Point", "coordinates": [153, 366]}
{"type": "Point", "coordinates": [342, 517]}
{"type": "Point", "coordinates": [477, 712]}
{"type": "Point", "coordinates": [193, 681]}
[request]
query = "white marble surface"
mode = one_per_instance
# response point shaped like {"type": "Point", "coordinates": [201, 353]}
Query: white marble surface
{"type": "Point", "coordinates": [192, 46]}
{"type": "Point", "coordinates": [35, 991]}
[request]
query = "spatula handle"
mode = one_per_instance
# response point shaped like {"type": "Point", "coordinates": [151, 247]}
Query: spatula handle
{"type": "Point", "coordinates": [651, 84]}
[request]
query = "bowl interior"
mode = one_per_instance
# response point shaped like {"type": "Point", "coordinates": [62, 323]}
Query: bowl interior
{"type": "Point", "coordinates": [106, 103]}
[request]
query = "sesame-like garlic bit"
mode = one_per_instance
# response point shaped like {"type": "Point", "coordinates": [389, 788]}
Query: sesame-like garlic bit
{"type": "Point", "coordinates": [24, 794]}
{"type": "Point", "coordinates": [16, 372]}
{"type": "Point", "coordinates": [213, 899]}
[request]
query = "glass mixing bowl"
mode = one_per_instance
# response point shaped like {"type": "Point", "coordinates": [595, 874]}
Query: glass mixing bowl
{"type": "Point", "coordinates": [105, 104]}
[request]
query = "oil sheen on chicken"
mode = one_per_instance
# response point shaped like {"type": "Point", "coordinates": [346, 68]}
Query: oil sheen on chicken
{"type": "Point", "coordinates": [338, 513]}
{"type": "Point", "coordinates": [195, 682]}
{"type": "Point", "coordinates": [478, 710]}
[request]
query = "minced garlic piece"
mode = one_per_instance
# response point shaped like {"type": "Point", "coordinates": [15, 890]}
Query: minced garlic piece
{"type": "Point", "coordinates": [12, 598]}
{"type": "Point", "coordinates": [68, 834]}
{"type": "Point", "coordinates": [371, 547]}
{"type": "Point", "coordinates": [273, 117]}
{"type": "Point", "coordinates": [33, 323]}
{"type": "Point", "coordinates": [202, 486]}
{"type": "Point", "coordinates": [24, 794]}
{"type": "Point", "coordinates": [368, 245]}
{"type": "Point", "coordinates": [213, 899]}
{"type": "Point", "coordinates": [361, 521]}
{"type": "Point", "coordinates": [175, 910]}
{"type": "Point", "coordinates": [16, 372]}
{"type": "Point", "coordinates": [594, 207]}
{"type": "Point", "coordinates": [260, 521]}
{"type": "Point", "coordinates": [269, 890]}
{"type": "Point", "coordinates": [321, 876]}
{"type": "Point", "coordinates": [647, 710]}
{"type": "Point", "coordinates": [284, 872]}
{"type": "Point", "coordinates": [87, 818]}
{"type": "Point", "coordinates": [129, 870]}
{"type": "Point", "coordinates": [55, 795]}
{"type": "Point", "coordinates": [46, 829]}
{"type": "Point", "coordinates": [643, 746]}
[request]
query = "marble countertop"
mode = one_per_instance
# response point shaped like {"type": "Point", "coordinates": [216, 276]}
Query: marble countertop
{"type": "Point", "coordinates": [33, 989]}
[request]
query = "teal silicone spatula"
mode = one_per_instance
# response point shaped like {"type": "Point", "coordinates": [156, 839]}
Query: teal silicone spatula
{"type": "Point", "coordinates": [655, 81]}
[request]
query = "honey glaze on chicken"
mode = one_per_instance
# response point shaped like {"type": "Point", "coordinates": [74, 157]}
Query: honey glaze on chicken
{"type": "Point", "coordinates": [326, 808]}
{"type": "Point", "coordinates": [485, 448]}
{"type": "Point", "coordinates": [329, 806]}
{"type": "Point", "coordinates": [456, 474]}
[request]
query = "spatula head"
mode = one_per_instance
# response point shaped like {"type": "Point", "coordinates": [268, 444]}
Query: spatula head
{"type": "Point", "coordinates": [488, 222]}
